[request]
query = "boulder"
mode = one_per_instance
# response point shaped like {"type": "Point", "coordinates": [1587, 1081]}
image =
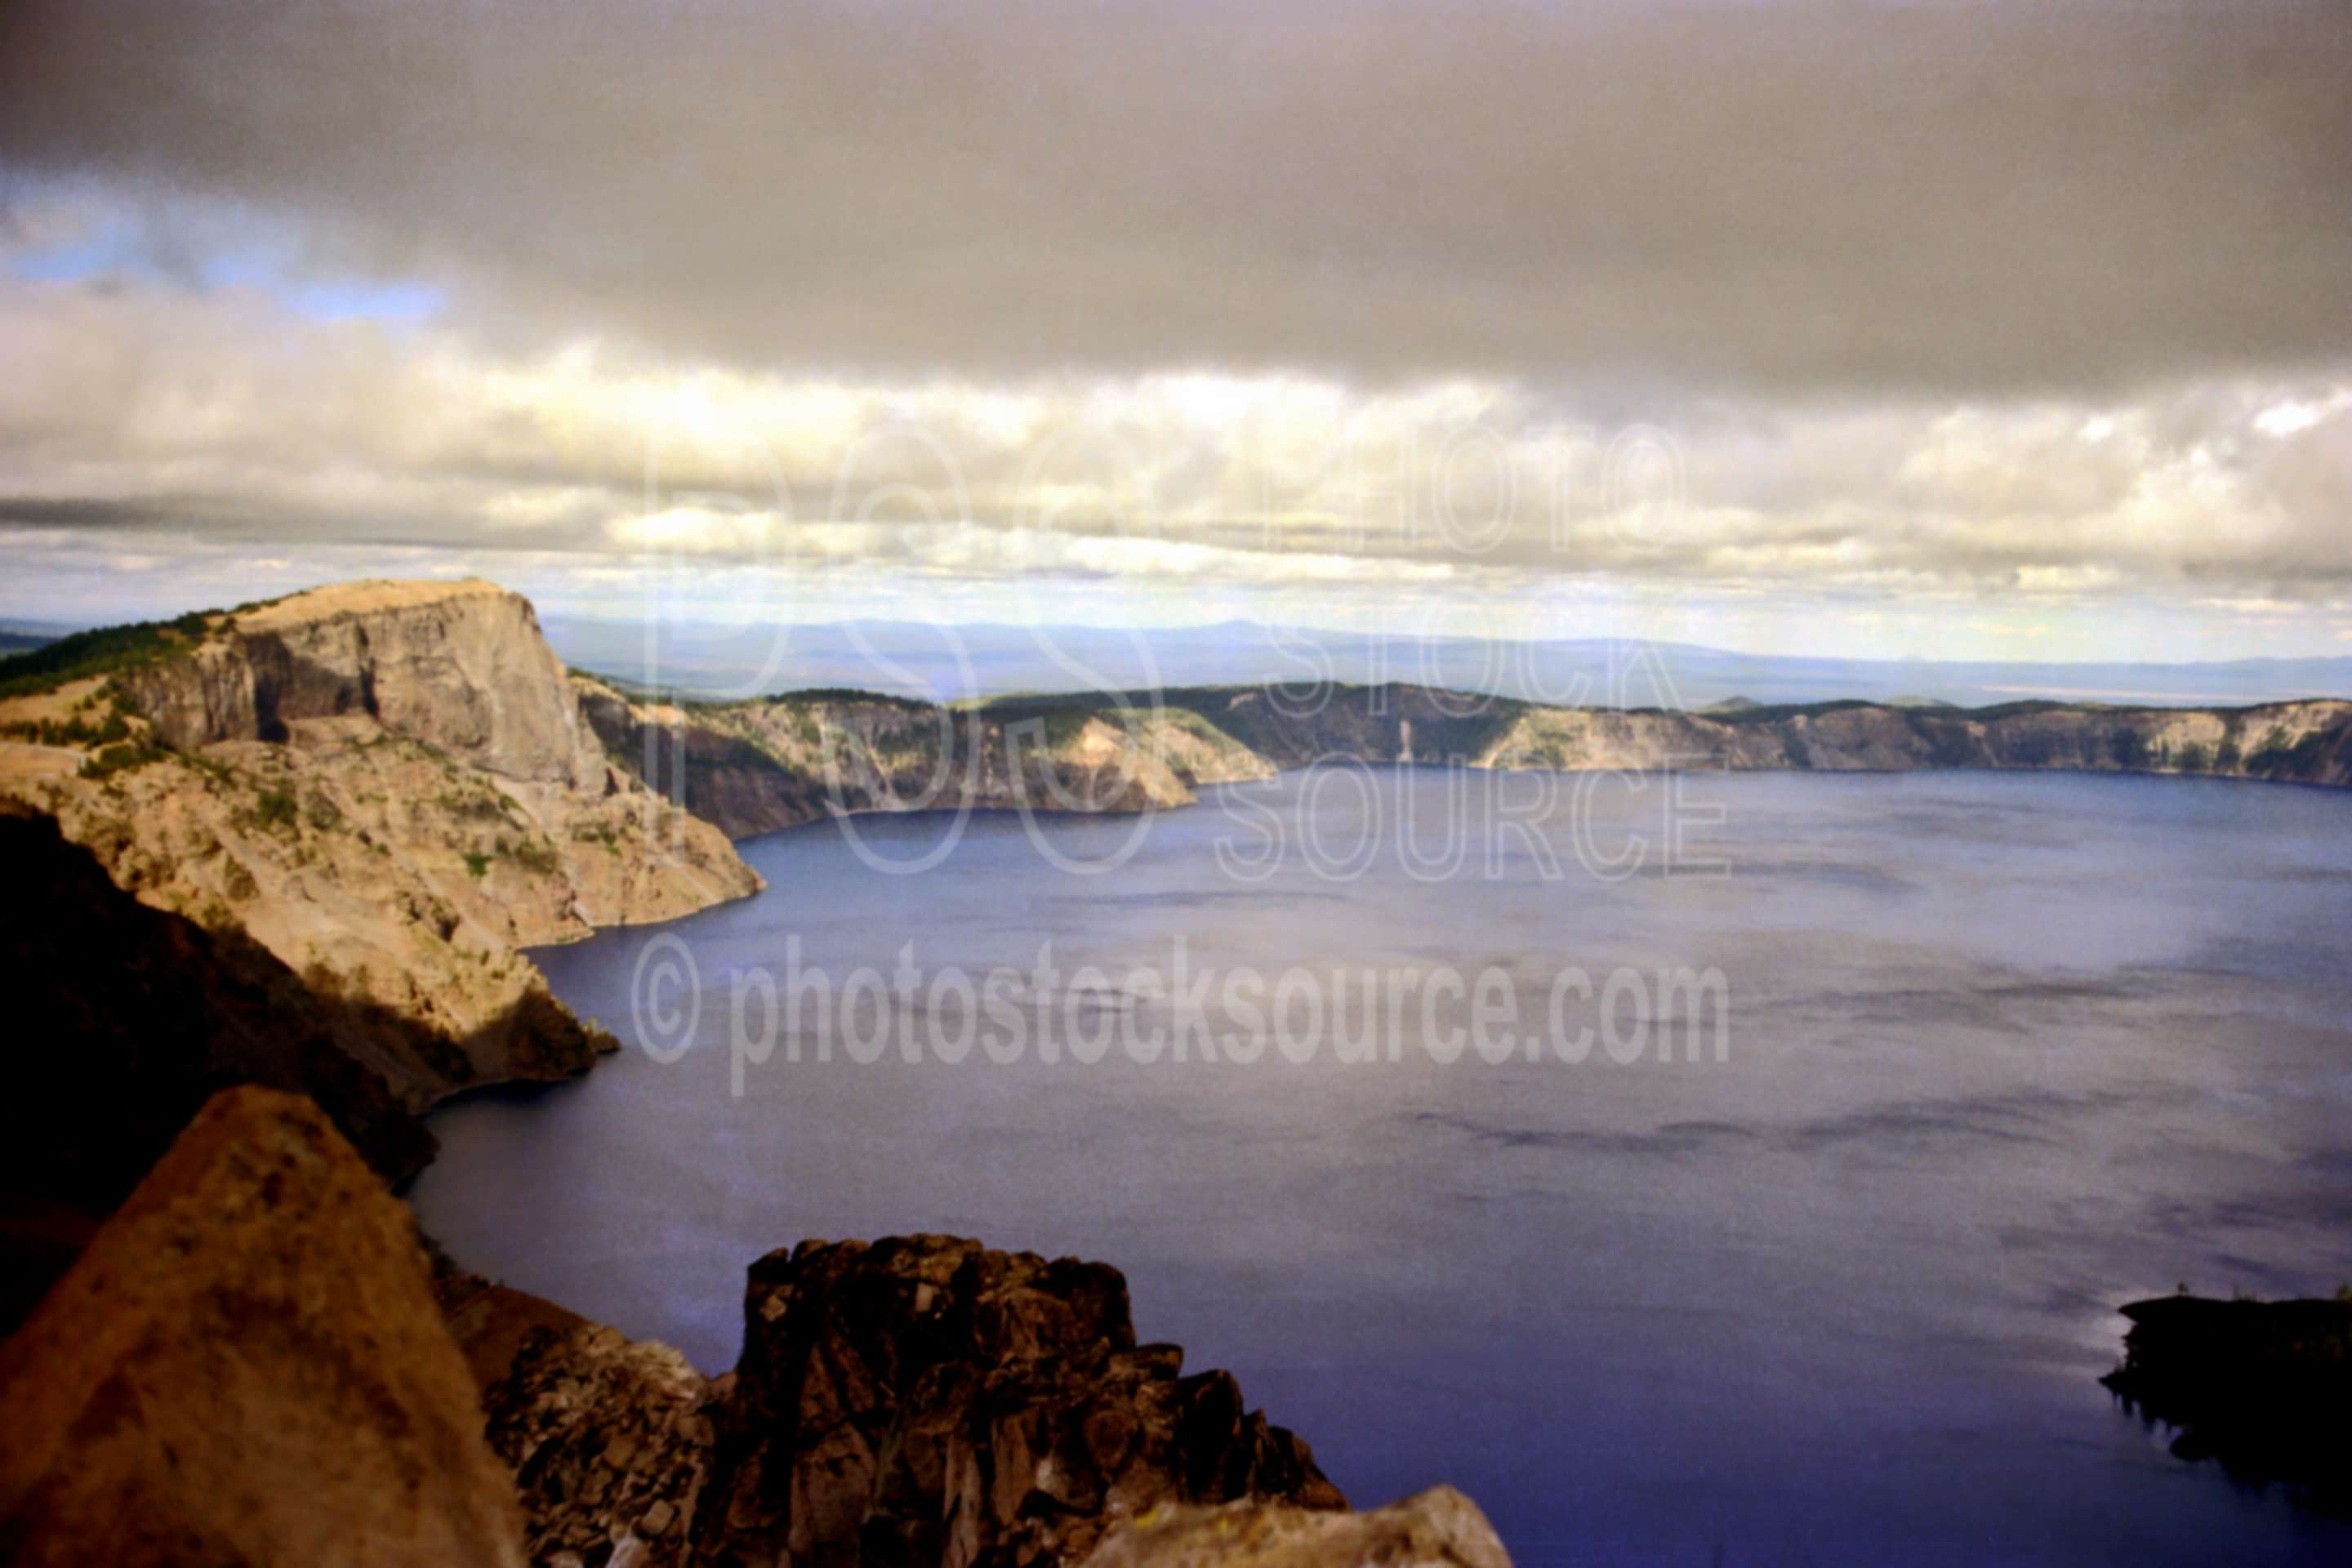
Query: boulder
{"type": "Point", "coordinates": [246, 1367]}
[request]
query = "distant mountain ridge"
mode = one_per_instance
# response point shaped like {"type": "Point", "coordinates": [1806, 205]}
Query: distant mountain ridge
{"type": "Point", "coordinates": [955, 662]}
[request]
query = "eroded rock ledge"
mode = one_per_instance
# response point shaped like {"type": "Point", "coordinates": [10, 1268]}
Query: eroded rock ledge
{"type": "Point", "coordinates": [918, 1400]}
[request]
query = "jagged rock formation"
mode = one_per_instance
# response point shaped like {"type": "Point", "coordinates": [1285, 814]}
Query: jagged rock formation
{"type": "Point", "coordinates": [1436, 1529]}
{"type": "Point", "coordinates": [389, 786]}
{"type": "Point", "coordinates": [2263, 1386]}
{"type": "Point", "coordinates": [245, 1368]}
{"type": "Point", "coordinates": [920, 1400]}
{"type": "Point", "coordinates": [611, 1441]}
{"type": "Point", "coordinates": [250, 1366]}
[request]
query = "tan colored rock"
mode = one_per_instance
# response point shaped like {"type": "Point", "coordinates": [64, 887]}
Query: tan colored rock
{"type": "Point", "coordinates": [753, 767]}
{"type": "Point", "coordinates": [459, 665]}
{"type": "Point", "coordinates": [1439, 1528]}
{"type": "Point", "coordinates": [389, 786]}
{"type": "Point", "coordinates": [246, 1367]}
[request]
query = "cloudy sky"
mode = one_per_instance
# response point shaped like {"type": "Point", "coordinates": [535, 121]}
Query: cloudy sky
{"type": "Point", "coordinates": [1953, 328]}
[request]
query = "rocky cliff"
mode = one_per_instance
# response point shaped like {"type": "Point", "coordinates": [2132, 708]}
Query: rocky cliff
{"type": "Point", "coordinates": [1436, 1529]}
{"type": "Point", "coordinates": [459, 667]}
{"type": "Point", "coordinates": [247, 1368]}
{"type": "Point", "coordinates": [389, 787]}
{"type": "Point", "coordinates": [920, 1400]}
{"type": "Point", "coordinates": [752, 767]}
{"type": "Point", "coordinates": [2305, 742]}
{"type": "Point", "coordinates": [131, 1018]}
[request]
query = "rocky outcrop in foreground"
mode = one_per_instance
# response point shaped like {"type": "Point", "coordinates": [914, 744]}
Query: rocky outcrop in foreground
{"type": "Point", "coordinates": [2266, 1387]}
{"type": "Point", "coordinates": [246, 1367]}
{"type": "Point", "coordinates": [920, 1400]}
{"type": "Point", "coordinates": [251, 1366]}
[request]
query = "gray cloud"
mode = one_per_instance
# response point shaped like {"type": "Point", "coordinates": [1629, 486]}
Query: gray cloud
{"type": "Point", "coordinates": [1961, 198]}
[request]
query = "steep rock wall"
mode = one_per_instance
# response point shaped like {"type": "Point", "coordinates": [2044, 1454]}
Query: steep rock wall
{"type": "Point", "coordinates": [460, 667]}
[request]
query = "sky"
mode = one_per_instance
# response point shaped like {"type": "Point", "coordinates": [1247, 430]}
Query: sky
{"type": "Point", "coordinates": [1949, 329]}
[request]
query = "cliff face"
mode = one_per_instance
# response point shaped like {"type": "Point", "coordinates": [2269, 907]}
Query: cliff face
{"type": "Point", "coordinates": [459, 667]}
{"type": "Point", "coordinates": [247, 1368]}
{"type": "Point", "coordinates": [920, 1400]}
{"type": "Point", "coordinates": [135, 1017]}
{"type": "Point", "coordinates": [389, 786]}
{"type": "Point", "coordinates": [754, 768]}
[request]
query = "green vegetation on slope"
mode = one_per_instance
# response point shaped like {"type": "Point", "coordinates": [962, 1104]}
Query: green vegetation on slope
{"type": "Point", "coordinates": [105, 651]}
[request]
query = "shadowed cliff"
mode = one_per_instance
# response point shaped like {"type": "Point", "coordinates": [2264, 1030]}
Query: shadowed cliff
{"type": "Point", "coordinates": [246, 1369]}
{"type": "Point", "coordinates": [130, 1018]}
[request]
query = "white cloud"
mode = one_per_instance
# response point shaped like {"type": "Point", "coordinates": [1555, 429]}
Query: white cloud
{"type": "Point", "coordinates": [222, 418]}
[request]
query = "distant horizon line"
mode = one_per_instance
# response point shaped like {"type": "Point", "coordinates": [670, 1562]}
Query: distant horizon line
{"type": "Point", "coordinates": [1338, 633]}
{"type": "Point", "coordinates": [36, 625]}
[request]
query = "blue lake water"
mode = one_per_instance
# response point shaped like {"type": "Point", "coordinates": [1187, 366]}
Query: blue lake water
{"type": "Point", "coordinates": [1999, 1053]}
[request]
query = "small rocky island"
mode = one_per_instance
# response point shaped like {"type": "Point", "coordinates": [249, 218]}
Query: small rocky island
{"type": "Point", "coordinates": [2263, 1387]}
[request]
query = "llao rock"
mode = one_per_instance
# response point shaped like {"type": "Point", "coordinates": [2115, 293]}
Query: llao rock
{"type": "Point", "coordinates": [1436, 1529]}
{"type": "Point", "coordinates": [389, 786]}
{"type": "Point", "coordinates": [246, 1369]}
{"type": "Point", "coordinates": [918, 1401]}
{"type": "Point", "coordinates": [460, 666]}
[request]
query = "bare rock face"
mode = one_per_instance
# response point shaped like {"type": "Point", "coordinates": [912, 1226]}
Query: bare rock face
{"type": "Point", "coordinates": [246, 1367]}
{"type": "Point", "coordinates": [918, 1401]}
{"type": "Point", "coordinates": [389, 786]}
{"type": "Point", "coordinates": [925, 1400]}
{"type": "Point", "coordinates": [753, 767]}
{"type": "Point", "coordinates": [458, 666]}
{"type": "Point", "coordinates": [1436, 1529]}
